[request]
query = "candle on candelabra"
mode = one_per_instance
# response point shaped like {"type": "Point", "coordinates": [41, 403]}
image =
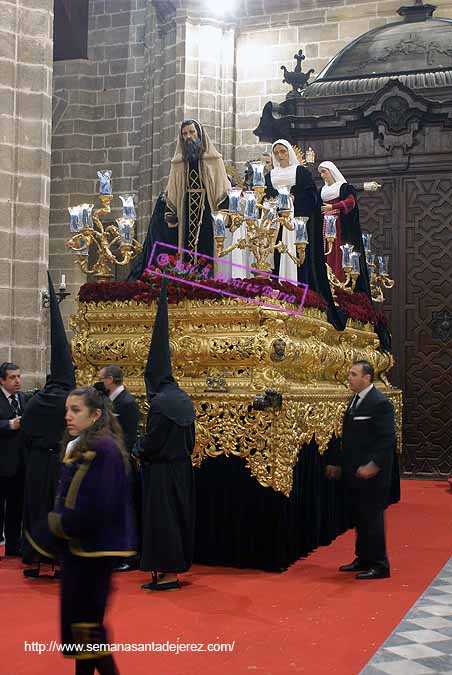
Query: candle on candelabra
{"type": "Point", "coordinates": [128, 207]}
{"type": "Point", "coordinates": [284, 201]}
{"type": "Point", "coordinates": [86, 214]}
{"type": "Point", "coordinates": [301, 233]}
{"type": "Point", "coordinates": [75, 222]}
{"type": "Point", "coordinates": [219, 228]}
{"type": "Point", "coordinates": [355, 261]}
{"type": "Point", "coordinates": [63, 282]}
{"type": "Point", "coordinates": [250, 205]}
{"type": "Point", "coordinates": [330, 226]}
{"type": "Point", "coordinates": [234, 200]}
{"type": "Point", "coordinates": [258, 174]}
{"type": "Point", "coordinates": [366, 241]}
{"type": "Point", "coordinates": [347, 250]}
{"type": "Point", "coordinates": [104, 182]}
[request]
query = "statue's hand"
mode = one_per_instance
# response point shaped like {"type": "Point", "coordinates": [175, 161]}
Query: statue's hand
{"type": "Point", "coordinates": [372, 186]}
{"type": "Point", "coordinates": [171, 220]}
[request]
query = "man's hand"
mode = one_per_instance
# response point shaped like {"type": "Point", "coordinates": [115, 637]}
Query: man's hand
{"type": "Point", "coordinates": [333, 472]}
{"type": "Point", "coordinates": [15, 423]}
{"type": "Point", "coordinates": [367, 471]}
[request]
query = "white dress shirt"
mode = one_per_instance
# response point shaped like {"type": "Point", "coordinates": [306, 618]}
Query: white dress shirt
{"type": "Point", "coordinates": [114, 394]}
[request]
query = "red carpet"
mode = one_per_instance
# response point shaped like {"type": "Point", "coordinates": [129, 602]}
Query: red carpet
{"type": "Point", "coordinates": [310, 619]}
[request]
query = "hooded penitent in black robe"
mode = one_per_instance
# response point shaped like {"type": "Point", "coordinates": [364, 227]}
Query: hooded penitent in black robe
{"type": "Point", "coordinates": [43, 425]}
{"type": "Point", "coordinates": [168, 493]}
{"type": "Point", "coordinates": [313, 271]}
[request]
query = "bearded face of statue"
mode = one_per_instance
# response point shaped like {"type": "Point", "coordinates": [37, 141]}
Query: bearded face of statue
{"type": "Point", "coordinates": [192, 143]}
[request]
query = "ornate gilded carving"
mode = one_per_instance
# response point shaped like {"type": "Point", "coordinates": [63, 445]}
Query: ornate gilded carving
{"type": "Point", "coordinates": [223, 353]}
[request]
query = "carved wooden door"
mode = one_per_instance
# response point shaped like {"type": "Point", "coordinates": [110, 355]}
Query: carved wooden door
{"type": "Point", "coordinates": [411, 220]}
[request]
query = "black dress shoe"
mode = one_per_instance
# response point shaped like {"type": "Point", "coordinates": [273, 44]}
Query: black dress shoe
{"type": "Point", "coordinates": [125, 567]}
{"type": "Point", "coordinates": [375, 573]}
{"type": "Point", "coordinates": [31, 572]}
{"type": "Point", "coordinates": [162, 586]}
{"type": "Point", "coordinates": [356, 566]}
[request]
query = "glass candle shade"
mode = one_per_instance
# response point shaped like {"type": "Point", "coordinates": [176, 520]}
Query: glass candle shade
{"type": "Point", "coordinates": [284, 201]}
{"type": "Point", "coordinates": [234, 200]}
{"type": "Point", "coordinates": [128, 207]}
{"type": "Point", "coordinates": [75, 223]}
{"type": "Point", "coordinates": [366, 241]}
{"type": "Point", "coordinates": [383, 264]}
{"type": "Point", "coordinates": [347, 250]}
{"type": "Point", "coordinates": [125, 227]}
{"type": "Point", "coordinates": [219, 228]}
{"type": "Point", "coordinates": [330, 226]}
{"type": "Point", "coordinates": [86, 215]}
{"type": "Point", "coordinates": [83, 245]}
{"type": "Point", "coordinates": [250, 205]}
{"type": "Point", "coordinates": [104, 182]}
{"type": "Point", "coordinates": [355, 261]}
{"type": "Point", "coordinates": [258, 174]}
{"type": "Point", "coordinates": [301, 232]}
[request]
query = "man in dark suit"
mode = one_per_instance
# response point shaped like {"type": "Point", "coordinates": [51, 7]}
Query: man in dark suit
{"type": "Point", "coordinates": [12, 404]}
{"type": "Point", "coordinates": [124, 404]}
{"type": "Point", "coordinates": [365, 463]}
{"type": "Point", "coordinates": [128, 414]}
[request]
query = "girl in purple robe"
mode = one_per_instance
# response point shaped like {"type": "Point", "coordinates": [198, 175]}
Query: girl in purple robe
{"type": "Point", "coordinates": [92, 524]}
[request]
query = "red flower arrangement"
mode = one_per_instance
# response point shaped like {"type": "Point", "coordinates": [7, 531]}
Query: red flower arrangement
{"type": "Point", "coordinates": [357, 306]}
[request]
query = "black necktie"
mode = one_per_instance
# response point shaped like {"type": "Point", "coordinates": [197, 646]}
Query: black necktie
{"type": "Point", "coordinates": [352, 408]}
{"type": "Point", "coordinates": [14, 404]}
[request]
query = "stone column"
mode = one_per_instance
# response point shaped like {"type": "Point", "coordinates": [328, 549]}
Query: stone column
{"type": "Point", "coordinates": [189, 73]}
{"type": "Point", "coordinates": [26, 41]}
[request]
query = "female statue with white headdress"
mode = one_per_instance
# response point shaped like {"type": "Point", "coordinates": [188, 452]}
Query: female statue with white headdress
{"type": "Point", "coordinates": [289, 172]}
{"type": "Point", "coordinates": [339, 198]}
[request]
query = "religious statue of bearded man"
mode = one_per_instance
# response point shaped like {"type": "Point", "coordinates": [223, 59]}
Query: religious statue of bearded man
{"type": "Point", "coordinates": [197, 185]}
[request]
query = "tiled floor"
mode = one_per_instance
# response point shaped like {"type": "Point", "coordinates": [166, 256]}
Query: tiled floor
{"type": "Point", "coordinates": [422, 642]}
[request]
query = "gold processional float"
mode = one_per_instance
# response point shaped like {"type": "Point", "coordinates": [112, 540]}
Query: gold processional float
{"type": "Point", "coordinates": [227, 351]}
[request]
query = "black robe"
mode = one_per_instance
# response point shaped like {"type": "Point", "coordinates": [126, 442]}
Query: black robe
{"type": "Point", "coordinates": [158, 230]}
{"type": "Point", "coordinates": [313, 271]}
{"type": "Point", "coordinates": [168, 492]}
{"type": "Point", "coordinates": [42, 425]}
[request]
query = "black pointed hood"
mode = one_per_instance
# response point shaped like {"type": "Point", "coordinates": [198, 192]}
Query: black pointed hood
{"type": "Point", "coordinates": [61, 368]}
{"type": "Point", "coordinates": [162, 391]}
{"type": "Point", "coordinates": [158, 371]}
{"type": "Point", "coordinates": [43, 419]}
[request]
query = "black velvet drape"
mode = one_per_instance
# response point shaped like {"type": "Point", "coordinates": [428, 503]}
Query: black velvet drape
{"type": "Point", "coordinates": [239, 523]}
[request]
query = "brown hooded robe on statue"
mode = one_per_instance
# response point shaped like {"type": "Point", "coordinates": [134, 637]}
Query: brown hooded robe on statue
{"type": "Point", "coordinates": [194, 191]}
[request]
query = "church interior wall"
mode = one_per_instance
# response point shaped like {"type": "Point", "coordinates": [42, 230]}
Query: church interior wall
{"type": "Point", "coordinates": [150, 64]}
{"type": "Point", "coordinates": [25, 135]}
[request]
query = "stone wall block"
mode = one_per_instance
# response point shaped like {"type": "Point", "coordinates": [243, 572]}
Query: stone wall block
{"type": "Point", "coordinates": [8, 18]}
{"type": "Point", "coordinates": [7, 43]}
{"type": "Point", "coordinates": [34, 23]}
